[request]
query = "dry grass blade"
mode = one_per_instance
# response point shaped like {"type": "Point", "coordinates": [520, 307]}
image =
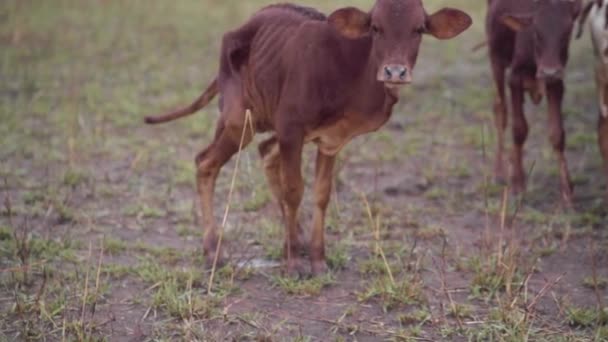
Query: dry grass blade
{"type": "Point", "coordinates": [543, 291]}
{"type": "Point", "coordinates": [375, 224]}
{"type": "Point", "coordinates": [86, 287]}
{"type": "Point", "coordinates": [248, 123]}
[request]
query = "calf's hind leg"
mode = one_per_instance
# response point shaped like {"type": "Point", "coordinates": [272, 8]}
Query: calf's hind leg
{"type": "Point", "coordinates": [210, 161]}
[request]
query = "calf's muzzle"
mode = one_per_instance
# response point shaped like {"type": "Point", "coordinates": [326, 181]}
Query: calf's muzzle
{"type": "Point", "coordinates": [396, 74]}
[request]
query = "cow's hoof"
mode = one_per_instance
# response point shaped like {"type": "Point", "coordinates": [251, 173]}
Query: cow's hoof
{"type": "Point", "coordinates": [210, 259]}
{"type": "Point", "coordinates": [500, 177]}
{"type": "Point", "coordinates": [319, 268]}
{"type": "Point", "coordinates": [295, 268]}
{"type": "Point", "coordinates": [518, 185]}
{"type": "Point", "coordinates": [567, 199]}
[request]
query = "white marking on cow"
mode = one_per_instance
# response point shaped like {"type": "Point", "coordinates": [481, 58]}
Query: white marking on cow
{"type": "Point", "coordinates": [599, 34]}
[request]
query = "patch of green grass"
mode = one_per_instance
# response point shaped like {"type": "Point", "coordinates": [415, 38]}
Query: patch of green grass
{"type": "Point", "coordinates": [491, 277]}
{"type": "Point", "coordinates": [258, 200]}
{"type": "Point", "coordinates": [144, 211]}
{"type": "Point", "coordinates": [303, 287]}
{"type": "Point", "coordinates": [179, 300]}
{"type": "Point", "coordinates": [600, 282]}
{"type": "Point", "coordinates": [114, 246]}
{"type": "Point", "coordinates": [429, 232]}
{"type": "Point", "coordinates": [270, 236]}
{"type": "Point", "coordinates": [376, 266]}
{"type": "Point", "coordinates": [461, 311]}
{"type": "Point", "coordinates": [117, 271]}
{"type": "Point", "coordinates": [186, 231]}
{"type": "Point", "coordinates": [406, 291]}
{"type": "Point", "coordinates": [417, 317]}
{"type": "Point", "coordinates": [586, 317]}
{"type": "Point", "coordinates": [163, 254]}
{"type": "Point", "coordinates": [338, 256]}
{"type": "Point", "coordinates": [436, 193]}
{"type": "Point", "coordinates": [73, 178]}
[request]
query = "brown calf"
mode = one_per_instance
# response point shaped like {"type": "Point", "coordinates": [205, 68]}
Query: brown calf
{"type": "Point", "coordinates": [309, 78]}
{"type": "Point", "coordinates": [532, 39]}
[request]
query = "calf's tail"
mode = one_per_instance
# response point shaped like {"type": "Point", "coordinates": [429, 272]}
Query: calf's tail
{"type": "Point", "coordinates": [195, 106]}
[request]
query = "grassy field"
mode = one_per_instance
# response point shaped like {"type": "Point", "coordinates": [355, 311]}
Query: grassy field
{"type": "Point", "coordinates": [99, 226]}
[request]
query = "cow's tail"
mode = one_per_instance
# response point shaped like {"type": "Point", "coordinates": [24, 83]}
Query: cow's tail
{"type": "Point", "coordinates": [200, 102]}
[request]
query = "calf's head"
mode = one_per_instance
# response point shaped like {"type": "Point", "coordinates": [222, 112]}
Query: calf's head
{"type": "Point", "coordinates": [550, 23]}
{"type": "Point", "coordinates": [396, 28]}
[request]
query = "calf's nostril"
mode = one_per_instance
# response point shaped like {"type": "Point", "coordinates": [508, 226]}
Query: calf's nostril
{"type": "Point", "coordinates": [403, 73]}
{"type": "Point", "coordinates": [387, 72]}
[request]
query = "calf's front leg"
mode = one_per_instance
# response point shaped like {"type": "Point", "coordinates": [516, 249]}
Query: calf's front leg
{"type": "Point", "coordinates": [520, 133]}
{"type": "Point", "coordinates": [323, 184]}
{"type": "Point", "coordinates": [292, 188]}
{"type": "Point", "coordinates": [555, 95]}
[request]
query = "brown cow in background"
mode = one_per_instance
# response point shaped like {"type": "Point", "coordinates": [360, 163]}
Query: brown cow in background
{"type": "Point", "coordinates": [308, 78]}
{"type": "Point", "coordinates": [531, 38]}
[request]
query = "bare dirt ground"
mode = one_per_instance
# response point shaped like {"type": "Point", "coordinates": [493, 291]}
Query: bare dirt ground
{"type": "Point", "coordinates": [99, 231]}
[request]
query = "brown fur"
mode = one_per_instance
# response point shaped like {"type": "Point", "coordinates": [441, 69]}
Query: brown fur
{"type": "Point", "coordinates": [532, 39]}
{"type": "Point", "coordinates": [310, 79]}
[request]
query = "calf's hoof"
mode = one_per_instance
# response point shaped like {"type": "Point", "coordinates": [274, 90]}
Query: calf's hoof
{"type": "Point", "coordinates": [295, 268]}
{"type": "Point", "coordinates": [210, 259]}
{"type": "Point", "coordinates": [500, 177]}
{"type": "Point", "coordinates": [518, 185]}
{"type": "Point", "coordinates": [319, 268]}
{"type": "Point", "coordinates": [567, 197]}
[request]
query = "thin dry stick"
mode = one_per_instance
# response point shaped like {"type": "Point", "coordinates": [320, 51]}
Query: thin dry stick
{"type": "Point", "coordinates": [97, 278]}
{"type": "Point", "coordinates": [376, 226]}
{"type": "Point", "coordinates": [543, 291]}
{"type": "Point", "coordinates": [86, 287]}
{"type": "Point", "coordinates": [503, 217]}
{"type": "Point", "coordinates": [63, 329]}
{"type": "Point", "coordinates": [444, 284]}
{"type": "Point", "coordinates": [522, 197]}
{"type": "Point", "coordinates": [249, 123]}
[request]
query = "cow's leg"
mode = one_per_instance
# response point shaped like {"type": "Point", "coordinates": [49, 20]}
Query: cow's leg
{"type": "Point", "coordinates": [602, 132]}
{"type": "Point", "coordinates": [269, 151]}
{"type": "Point", "coordinates": [500, 116]}
{"type": "Point", "coordinates": [602, 89]}
{"type": "Point", "coordinates": [602, 128]}
{"type": "Point", "coordinates": [519, 131]}
{"type": "Point", "coordinates": [209, 162]}
{"type": "Point", "coordinates": [323, 184]}
{"type": "Point", "coordinates": [557, 135]}
{"type": "Point", "coordinates": [291, 142]}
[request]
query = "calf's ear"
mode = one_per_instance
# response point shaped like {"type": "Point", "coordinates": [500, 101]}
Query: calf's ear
{"type": "Point", "coordinates": [447, 23]}
{"type": "Point", "coordinates": [351, 22]}
{"type": "Point", "coordinates": [517, 22]}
